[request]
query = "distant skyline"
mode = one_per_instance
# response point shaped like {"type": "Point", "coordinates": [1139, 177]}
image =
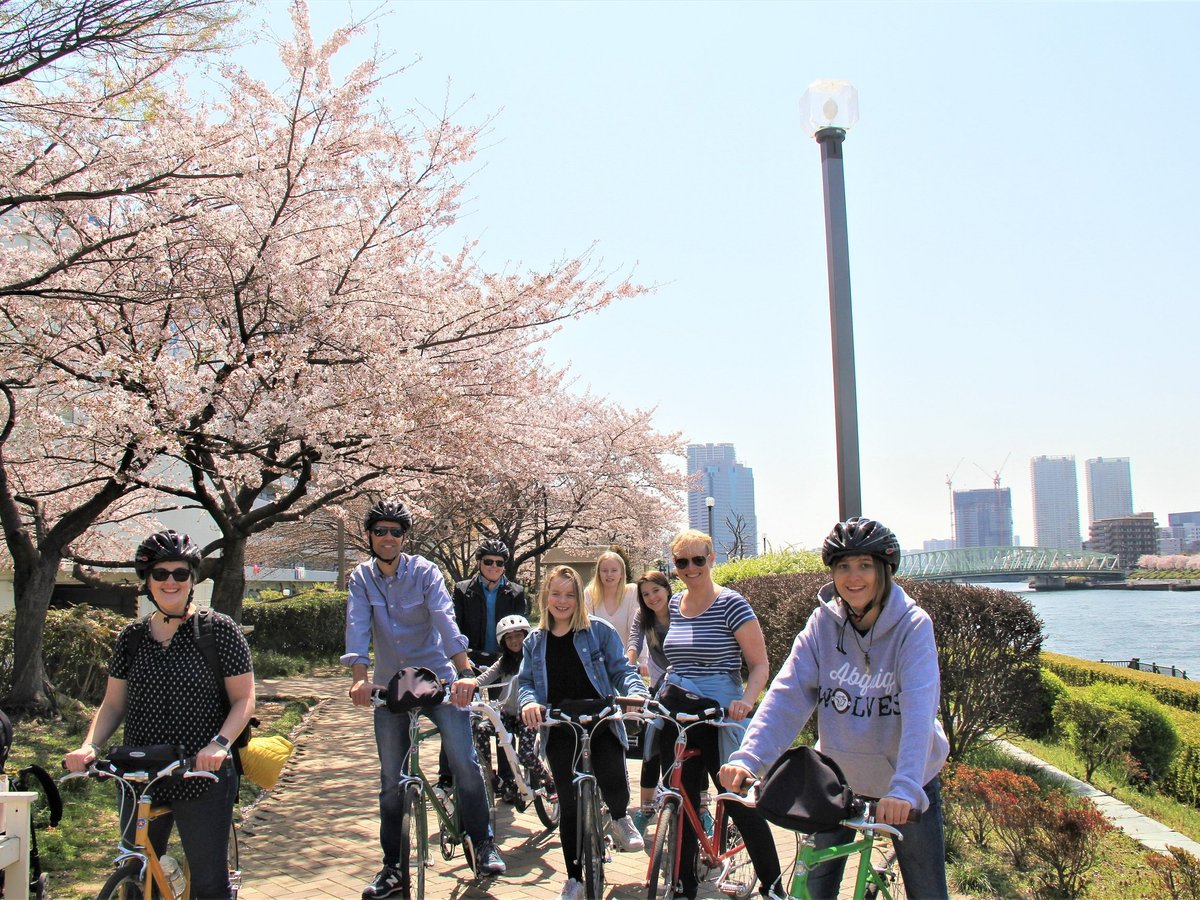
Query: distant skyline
{"type": "Point", "coordinates": [1021, 194]}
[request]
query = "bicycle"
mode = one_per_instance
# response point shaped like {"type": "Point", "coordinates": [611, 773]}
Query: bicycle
{"type": "Point", "coordinates": [140, 872]}
{"type": "Point", "coordinates": [419, 796]}
{"type": "Point", "coordinates": [530, 786]}
{"type": "Point", "coordinates": [724, 850]}
{"type": "Point", "coordinates": [592, 841]}
{"type": "Point", "coordinates": [876, 877]}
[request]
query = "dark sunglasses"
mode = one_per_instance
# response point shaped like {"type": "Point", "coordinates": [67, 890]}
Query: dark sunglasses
{"type": "Point", "coordinates": [682, 562]}
{"type": "Point", "coordinates": [177, 574]}
{"type": "Point", "coordinates": [380, 531]}
{"type": "Point", "coordinates": [491, 562]}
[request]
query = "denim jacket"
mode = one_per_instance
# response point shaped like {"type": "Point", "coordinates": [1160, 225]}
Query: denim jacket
{"type": "Point", "coordinates": [602, 652]}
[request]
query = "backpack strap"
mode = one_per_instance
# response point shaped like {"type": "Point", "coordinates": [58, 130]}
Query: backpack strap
{"type": "Point", "coordinates": [206, 640]}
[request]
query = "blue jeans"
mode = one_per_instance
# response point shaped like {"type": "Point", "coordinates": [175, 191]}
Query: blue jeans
{"type": "Point", "coordinates": [391, 738]}
{"type": "Point", "coordinates": [921, 855]}
{"type": "Point", "coordinates": [203, 826]}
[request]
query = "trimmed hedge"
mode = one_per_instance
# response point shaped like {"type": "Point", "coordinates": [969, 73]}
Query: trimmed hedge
{"type": "Point", "coordinates": [312, 623]}
{"type": "Point", "coordinates": [783, 604]}
{"type": "Point", "coordinates": [1175, 692]}
{"type": "Point", "coordinates": [1156, 740]}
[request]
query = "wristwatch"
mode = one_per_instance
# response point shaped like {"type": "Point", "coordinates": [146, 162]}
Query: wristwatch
{"type": "Point", "coordinates": [221, 741]}
{"type": "Point", "coordinates": [466, 673]}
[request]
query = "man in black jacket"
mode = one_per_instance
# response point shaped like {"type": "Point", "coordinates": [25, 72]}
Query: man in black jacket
{"type": "Point", "coordinates": [484, 599]}
{"type": "Point", "coordinates": [479, 603]}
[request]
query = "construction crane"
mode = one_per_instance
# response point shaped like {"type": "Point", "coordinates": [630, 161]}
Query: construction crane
{"type": "Point", "coordinates": [950, 488]}
{"type": "Point", "coordinates": [995, 476]}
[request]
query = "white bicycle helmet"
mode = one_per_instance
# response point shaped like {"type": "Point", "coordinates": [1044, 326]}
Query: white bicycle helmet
{"type": "Point", "coordinates": [511, 623]}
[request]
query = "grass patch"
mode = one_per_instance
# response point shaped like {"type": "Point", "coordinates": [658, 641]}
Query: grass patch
{"type": "Point", "coordinates": [1175, 815]}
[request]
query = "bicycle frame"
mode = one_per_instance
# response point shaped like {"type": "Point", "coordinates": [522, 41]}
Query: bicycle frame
{"type": "Point", "coordinates": [485, 710]}
{"type": "Point", "coordinates": [413, 774]}
{"type": "Point", "coordinates": [584, 772]}
{"type": "Point", "coordinates": [140, 848]}
{"type": "Point", "coordinates": [672, 785]}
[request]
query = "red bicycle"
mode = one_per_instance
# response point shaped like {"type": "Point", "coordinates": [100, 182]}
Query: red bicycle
{"type": "Point", "coordinates": [724, 853]}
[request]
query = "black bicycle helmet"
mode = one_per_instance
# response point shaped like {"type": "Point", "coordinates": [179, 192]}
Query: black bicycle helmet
{"type": "Point", "coordinates": [492, 547]}
{"type": "Point", "coordinates": [388, 511]}
{"type": "Point", "coordinates": [165, 546]}
{"type": "Point", "coordinates": [858, 535]}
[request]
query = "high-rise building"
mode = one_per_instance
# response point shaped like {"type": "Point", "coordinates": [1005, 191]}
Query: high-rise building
{"type": "Point", "coordinates": [1055, 502]}
{"type": "Point", "coordinates": [1130, 537]}
{"type": "Point", "coordinates": [731, 485]}
{"type": "Point", "coordinates": [1109, 488]}
{"type": "Point", "coordinates": [983, 518]}
{"type": "Point", "coordinates": [1183, 518]}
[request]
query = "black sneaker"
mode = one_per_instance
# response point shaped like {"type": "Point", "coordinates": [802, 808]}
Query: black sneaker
{"type": "Point", "coordinates": [386, 884]}
{"type": "Point", "coordinates": [488, 861]}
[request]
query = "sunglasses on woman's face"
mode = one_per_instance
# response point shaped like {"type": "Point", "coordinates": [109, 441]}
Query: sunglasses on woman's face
{"type": "Point", "coordinates": [177, 574]}
{"type": "Point", "coordinates": [682, 562]}
{"type": "Point", "coordinates": [380, 531]}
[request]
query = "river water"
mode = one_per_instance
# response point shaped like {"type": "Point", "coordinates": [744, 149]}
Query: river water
{"type": "Point", "coordinates": [1156, 626]}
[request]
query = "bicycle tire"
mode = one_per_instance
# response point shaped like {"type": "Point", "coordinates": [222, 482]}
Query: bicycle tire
{"type": "Point", "coordinates": [883, 861]}
{"type": "Point", "coordinates": [125, 883]}
{"type": "Point", "coordinates": [661, 885]}
{"type": "Point", "coordinates": [740, 881]}
{"type": "Point", "coordinates": [545, 802]}
{"type": "Point", "coordinates": [590, 841]}
{"type": "Point", "coordinates": [414, 839]}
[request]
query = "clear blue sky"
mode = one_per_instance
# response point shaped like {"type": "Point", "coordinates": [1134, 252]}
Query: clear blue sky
{"type": "Point", "coordinates": [1022, 190]}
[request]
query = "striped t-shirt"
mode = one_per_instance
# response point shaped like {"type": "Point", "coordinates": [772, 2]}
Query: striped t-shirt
{"type": "Point", "coordinates": [705, 644]}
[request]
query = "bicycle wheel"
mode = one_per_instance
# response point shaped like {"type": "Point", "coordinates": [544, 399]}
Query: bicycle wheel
{"type": "Point", "coordinates": [125, 883]}
{"type": "Point", "coordinates": [545, 800]}
{"type": "Point", "coordinates": [414, 839]}
{"type": "Point", "coordinates": [739, 879]}
{"type": "Point", "coordinates": [591, 841]}
{"type": "Point", "coordinates": [883, 861]}
{"type": "Point", "coordinates": [662, 857]}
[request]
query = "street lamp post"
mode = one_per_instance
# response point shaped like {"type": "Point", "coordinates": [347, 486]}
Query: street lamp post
{"type": "Point", "coordinates": [710, 502]}
{"type": "Point", "coordinates": [830, 109]}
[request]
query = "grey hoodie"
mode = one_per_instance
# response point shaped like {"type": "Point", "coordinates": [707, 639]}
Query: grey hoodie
{"type": "Point", "coordinates": [883, 752]}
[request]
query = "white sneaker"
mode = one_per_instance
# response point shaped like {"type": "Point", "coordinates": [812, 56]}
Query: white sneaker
{"type": "Point", "coordinates": [626, 835]}
{"type": "Point", "coordinates": [572, 890]}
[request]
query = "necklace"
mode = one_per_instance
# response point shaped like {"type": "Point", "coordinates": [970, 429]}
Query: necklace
{"type": "Point", "coordinates": [867, 652]}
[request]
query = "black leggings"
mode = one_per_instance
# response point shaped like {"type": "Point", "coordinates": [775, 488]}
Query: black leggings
{"type": "Point", "coordinates": [608, 762]}
{"type": "Point", "coordinates": [755, 831]}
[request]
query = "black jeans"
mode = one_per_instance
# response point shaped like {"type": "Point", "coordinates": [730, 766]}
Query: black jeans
{"type": "Point", "coordinates": [203, 825]}
{"type": "Point", "coordinates": [755, 831]}
{"type": "Point", "coordinates": [608, 762]}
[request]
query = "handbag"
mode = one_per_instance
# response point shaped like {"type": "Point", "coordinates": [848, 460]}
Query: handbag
{"type": "Point", "coordinates": [806, 791]}
{"type": "Point", "coordinates": [414, 688]}
{"type": "Point", "coordinates": [264, 757]}
{"type": "Point", "coordinates": [680, 700]}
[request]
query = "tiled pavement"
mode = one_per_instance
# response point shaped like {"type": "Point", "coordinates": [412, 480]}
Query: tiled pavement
{"type": "Point", "coordinates": [316, 834]}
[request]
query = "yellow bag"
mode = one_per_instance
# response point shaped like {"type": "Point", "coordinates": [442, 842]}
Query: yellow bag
{"type": "Point", "coordinates": [263, 759]}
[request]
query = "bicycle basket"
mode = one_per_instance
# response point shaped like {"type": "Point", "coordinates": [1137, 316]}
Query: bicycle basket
{"type": "Point", "coordinates": [414, 688]}
{"type": "Point", "coordinates": [144, 759]}
{"type": "Point", "coordinates": [806, 791]}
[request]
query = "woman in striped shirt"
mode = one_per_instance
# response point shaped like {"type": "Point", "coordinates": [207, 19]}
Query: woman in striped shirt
{"type": "Point", "coordinates": [713, 629]}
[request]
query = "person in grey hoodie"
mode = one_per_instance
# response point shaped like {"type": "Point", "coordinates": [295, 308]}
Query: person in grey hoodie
{"type": "Point", "coordinates": [866, 662]}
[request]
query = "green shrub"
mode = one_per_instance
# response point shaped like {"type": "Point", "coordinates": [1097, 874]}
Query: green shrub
{"type": "Point", "coordinates": [1156, 740]}
{"type": "Point", "coordinates": [310, 624]}
{"type": "Point", "coordinates": [1177, 692]}
{"type": "Point", "coordinates": [77, 647]}
{"type": "Point", "coordinates": [1098, 733]}
{"type": "Point", "coordinates": [781, 562]}
{"type": "Point", "coordinates": [1038, 719]}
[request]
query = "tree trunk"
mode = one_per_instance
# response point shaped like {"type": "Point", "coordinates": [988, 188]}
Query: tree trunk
{"type": "Point", "coordinates": [229, 578]}
{"type": "Point", "coordinates": [32, 586]}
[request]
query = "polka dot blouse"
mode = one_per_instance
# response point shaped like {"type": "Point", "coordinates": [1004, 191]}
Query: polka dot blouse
{"type": "Point", "coordinates": [172, 695]}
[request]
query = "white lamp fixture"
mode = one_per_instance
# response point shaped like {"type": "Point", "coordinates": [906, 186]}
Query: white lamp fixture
{"type": "Point", "coordinates": [829, 104]}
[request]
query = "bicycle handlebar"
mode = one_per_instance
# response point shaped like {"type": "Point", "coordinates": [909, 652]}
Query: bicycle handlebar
{"type": "Point", "coordinates": [864, 821]}
{"type": "Point", "coordinates": [105, 768]}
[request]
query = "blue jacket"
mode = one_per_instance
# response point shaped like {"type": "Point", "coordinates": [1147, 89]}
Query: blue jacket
{"type": "Point", "coordinates": [602, 652]}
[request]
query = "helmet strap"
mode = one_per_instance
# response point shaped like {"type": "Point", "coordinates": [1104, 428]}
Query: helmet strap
{"type": "Point", "coordinates": [167, 617]}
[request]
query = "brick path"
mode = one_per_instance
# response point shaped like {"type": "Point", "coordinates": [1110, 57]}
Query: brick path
{"type": "Point", "coordinates": [316, 835]}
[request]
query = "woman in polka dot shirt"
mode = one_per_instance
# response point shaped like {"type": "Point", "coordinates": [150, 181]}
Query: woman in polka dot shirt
{"type": "Point", "coordinates": [165, 693]}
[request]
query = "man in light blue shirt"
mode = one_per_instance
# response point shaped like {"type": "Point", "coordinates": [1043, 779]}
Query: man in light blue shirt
{"type": "Point", "coordinates": [398, 604]}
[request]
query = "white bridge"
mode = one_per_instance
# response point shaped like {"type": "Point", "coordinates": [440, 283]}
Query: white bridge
{"type": "Point", "coordinates": [980, 562]}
